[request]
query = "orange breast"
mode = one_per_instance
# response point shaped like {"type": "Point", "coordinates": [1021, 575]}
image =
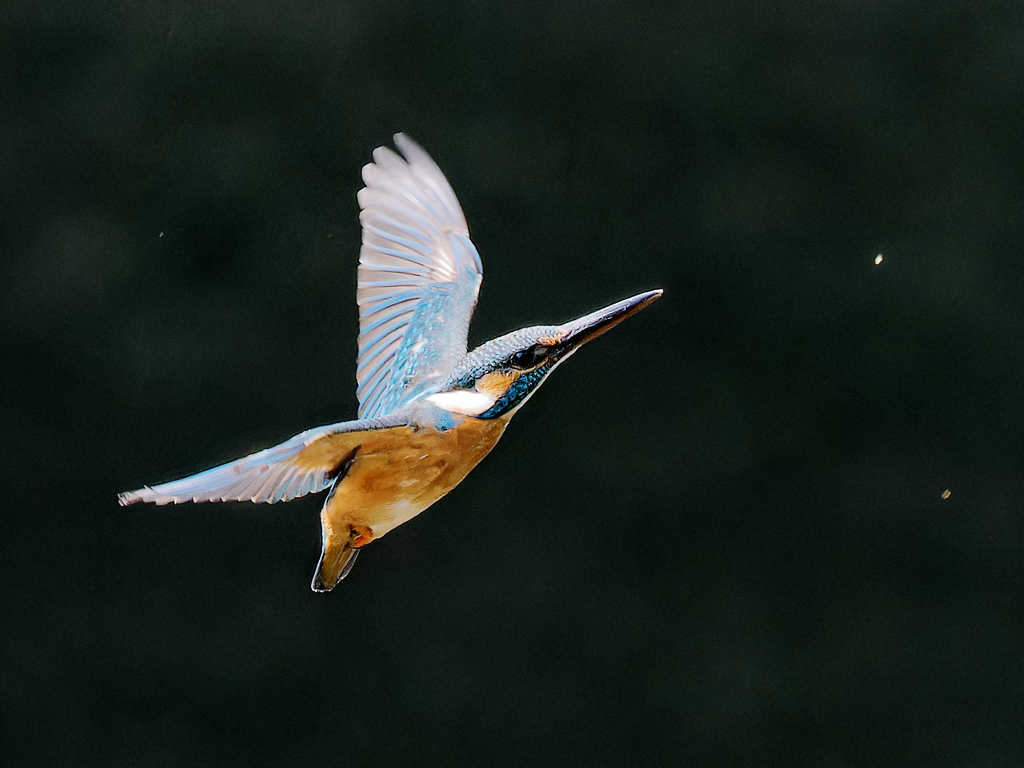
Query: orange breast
{"type": "Point", "coordinates": [397, 473]}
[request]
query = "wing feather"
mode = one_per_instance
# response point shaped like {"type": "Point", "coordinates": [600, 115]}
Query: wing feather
{"type": "Point", "coordinates": [307, 463]}
{"type": "Point", "coordinates": [419, 276]}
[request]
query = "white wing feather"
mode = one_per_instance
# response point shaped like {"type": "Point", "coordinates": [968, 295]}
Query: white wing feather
{"type": "Point", "coordinates": [419, 276]}
{"type": "Point", "coordinates": [281, 473]}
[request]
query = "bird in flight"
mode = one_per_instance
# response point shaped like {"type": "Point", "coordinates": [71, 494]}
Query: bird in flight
{"type": "Point", "coordinates": [428, 411]}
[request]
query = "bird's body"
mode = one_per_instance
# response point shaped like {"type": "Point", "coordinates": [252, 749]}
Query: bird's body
{"type": "Point", "coordinates": [395, 474]}
{"type": "Point", "coordinates": [429, 412]}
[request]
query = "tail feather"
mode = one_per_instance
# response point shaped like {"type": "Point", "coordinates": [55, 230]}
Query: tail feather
{"type": "Point", "coordinates": [335, 563]}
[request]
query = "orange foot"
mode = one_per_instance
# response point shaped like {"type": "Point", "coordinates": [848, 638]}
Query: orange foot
{"type": "Point", "coordinates": [361, 535]}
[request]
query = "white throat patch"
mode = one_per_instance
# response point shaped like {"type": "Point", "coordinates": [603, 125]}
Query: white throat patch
{"type": "Point", "coordinates": [463, 401]}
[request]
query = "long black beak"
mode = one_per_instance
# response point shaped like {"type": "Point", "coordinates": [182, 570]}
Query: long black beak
{"type": "Point", "coordinates": [579, 332]}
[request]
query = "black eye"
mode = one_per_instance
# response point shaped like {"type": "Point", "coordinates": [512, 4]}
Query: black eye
{"type": "Point", "coordinates": [527, 358]}
{"type": "Point", "coordinates": [523, 359]}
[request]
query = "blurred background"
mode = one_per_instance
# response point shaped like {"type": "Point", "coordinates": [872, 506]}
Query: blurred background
{"type": "Point", "coordinates": [774, 520]}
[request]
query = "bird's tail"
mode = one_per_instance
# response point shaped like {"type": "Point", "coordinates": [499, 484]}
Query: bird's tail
{"type": "Point", "coordinates": [335, 562]}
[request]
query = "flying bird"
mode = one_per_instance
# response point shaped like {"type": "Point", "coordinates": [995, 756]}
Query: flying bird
{"type": "Point", "coordinates": [428, 411]}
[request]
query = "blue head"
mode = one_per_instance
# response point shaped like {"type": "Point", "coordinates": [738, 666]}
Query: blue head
{"type": "Point", "coordinates": [496, 378]}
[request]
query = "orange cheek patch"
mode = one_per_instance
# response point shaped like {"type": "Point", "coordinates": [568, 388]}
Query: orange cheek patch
{"type": "Point", "coordinates": [549, 341]}
{"type": "Point", "coordinates": [496, 383]}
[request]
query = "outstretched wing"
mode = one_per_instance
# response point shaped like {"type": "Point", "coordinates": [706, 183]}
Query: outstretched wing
{"type": "Point", "coordinates": [305, 464]}
{"type": "Point", "coordinates": [419, 276]}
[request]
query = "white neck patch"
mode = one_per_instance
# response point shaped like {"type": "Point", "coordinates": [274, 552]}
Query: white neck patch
{"type": "Point", "coordinates": [463, 401]}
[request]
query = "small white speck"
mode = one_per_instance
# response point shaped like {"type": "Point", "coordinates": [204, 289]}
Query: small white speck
{"type": "Point", "coordinates": [946, 493]}
{"type": "Point", "coordinates": [878, 259]}
{"type": "Point", "coordinates": [161, 234]}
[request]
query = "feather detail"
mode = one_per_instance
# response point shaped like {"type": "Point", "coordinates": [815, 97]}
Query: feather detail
{"type": "Point", "coordinates": [419, 276]}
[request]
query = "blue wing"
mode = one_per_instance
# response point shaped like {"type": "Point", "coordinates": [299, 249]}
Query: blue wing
{"type": "Point", "coordinates": [419, 276]}
{"type": "Point", "coordinates": [307, 463]}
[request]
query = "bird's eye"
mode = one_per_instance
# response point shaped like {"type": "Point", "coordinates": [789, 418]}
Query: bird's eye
{"type": "Point", "coordinates": [525, 359]}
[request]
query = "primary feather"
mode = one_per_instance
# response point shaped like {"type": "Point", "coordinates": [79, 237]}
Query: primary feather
{"type": "Point", "coordinates": [419, 276]}
{"type": "Point", "coordinates": [306, 463]}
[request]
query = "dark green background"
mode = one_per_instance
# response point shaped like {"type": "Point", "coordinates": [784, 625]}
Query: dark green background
{"type": "Point", "coordinates": [715, 538]}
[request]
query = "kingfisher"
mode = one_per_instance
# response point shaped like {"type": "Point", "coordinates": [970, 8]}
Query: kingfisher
{"type": "Point", "coordinates": [429, 411]}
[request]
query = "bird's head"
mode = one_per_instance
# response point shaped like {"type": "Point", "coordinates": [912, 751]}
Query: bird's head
{"type": "Point", "coordinates": [496, 378]}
